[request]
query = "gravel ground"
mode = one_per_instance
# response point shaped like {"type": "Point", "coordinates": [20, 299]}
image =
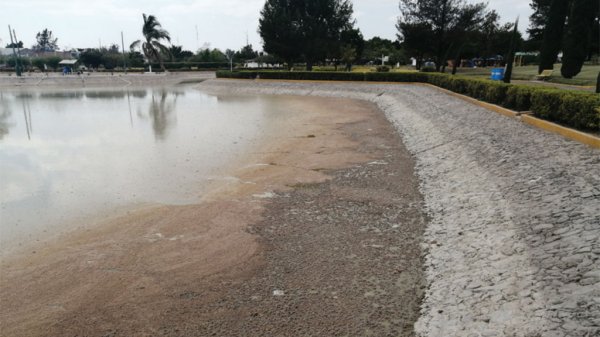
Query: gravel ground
{"type": "Point", "coordinates": [513, 242]}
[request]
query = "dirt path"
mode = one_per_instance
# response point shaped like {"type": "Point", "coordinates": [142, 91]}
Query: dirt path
{"type": "Point", "coordinates": [318, 235]}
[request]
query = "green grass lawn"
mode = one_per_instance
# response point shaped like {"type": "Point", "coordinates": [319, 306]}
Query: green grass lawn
{"type": "Point", "coordinates": [587, 76]}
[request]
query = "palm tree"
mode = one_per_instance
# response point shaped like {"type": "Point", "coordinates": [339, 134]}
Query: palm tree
{"type": "Point", "coordinates": [152, 47]}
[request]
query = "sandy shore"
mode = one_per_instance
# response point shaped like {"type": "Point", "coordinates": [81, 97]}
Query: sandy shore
{"type": "Point", "coordinates": [318, 235]}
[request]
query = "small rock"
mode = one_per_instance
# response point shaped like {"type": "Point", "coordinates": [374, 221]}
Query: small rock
{"type": "Point", "coordinates": [542, 227]}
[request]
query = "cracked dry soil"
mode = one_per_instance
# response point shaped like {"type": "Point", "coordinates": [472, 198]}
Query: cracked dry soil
{"type": "Point", "coordinates": [340, 258]}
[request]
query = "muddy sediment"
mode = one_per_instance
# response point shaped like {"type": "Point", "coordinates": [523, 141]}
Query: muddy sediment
{"type": "Point", "coordinates": [318, 234]}
{"type": "Point", "coordinates": [340, 258]}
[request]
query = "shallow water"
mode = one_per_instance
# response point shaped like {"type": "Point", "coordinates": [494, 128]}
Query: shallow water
{"type": "Point", "coordinates": [70, 156]}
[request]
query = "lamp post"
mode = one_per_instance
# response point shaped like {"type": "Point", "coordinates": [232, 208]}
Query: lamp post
{"type": "Point", "coordinates": [16, 56]}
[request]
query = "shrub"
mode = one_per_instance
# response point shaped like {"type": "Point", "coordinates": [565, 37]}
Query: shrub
{"type": "Point", "coordinates": [189, 65]}
{"type": "Point", "coordinates": [496, 92]}
{"type": "Point", "coordinates": [476, 89]}
{"type": "Point", "coordinates": [236, 74]}
{"type": "Point", "coordinates": [518, 97]}
{"type": "Point", "coordinates": [576, 109]}
{"type": "Point", "coordinates": [580, 111]}
{"type": "Point", "coordinates": [383, 69]}
{"type": "Point", "coordinates": [544, 103]}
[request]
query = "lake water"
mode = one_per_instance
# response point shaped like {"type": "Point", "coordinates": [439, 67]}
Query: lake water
{"type": "Point", "coordinates": [68, 156]}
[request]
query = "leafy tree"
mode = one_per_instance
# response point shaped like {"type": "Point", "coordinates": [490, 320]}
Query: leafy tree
{"type": "Point", "coordinates": [376, 46]}
{"type": "Point", "coordinates": [279, 28]}
{"type": "Point", "coordinates": [492, 39]}
{"type": "Point", "coordinates": [578, 35]}
{"type": "Point", "coordinates": [594, 47]}
{"type": "Point", "coordinates": [111, 60]}
{"type": "Point", "coordinates": [216, 55]}
{"type": "Point", "coordinates": [488, 35]}
{"type": "Point", "coordinates": [112, 49]}
{"type": "Point", "coordinates": [15, 45]}
{"type": "Point", "coordinates": [352, 45]}
{"type": "Point", "coordinates": [152, 46]}
{"type": "Point", "coordinates": [229, 54]}
{"type": "Point", "coordinates": [467, 25]}
{"type": "Point", "coordinates": [415, 38]}
{"type": "Point", "coordinates": [323, 22]}
{"type": "Point", "coordinates": [209, 55]}
{"type": "Point", "coordinates": [178, 54]}
{"type": "Point", "coordinates": [537, 22]}
{"type": "Point", "coordinates": [292, 29]}
{"type": "Point", "coordinates": [11, 61]}
{"type": "Point", "coordinates": [53, 61]}
{"type": "Point", "coordinates": [267, 59]}
{"type": "Point", "coordinates": [246, 53]}
{"type": "Point", "coordinates": [50, 61]}
{"type": "Point", "coordinates": [135, 59]}
{"type": "Point", "coordinates": [91, 58]}
{"type": "Point", "coordinates": [432, 26]}
{"type": "Point", "coordinates": [46, 42]}
{"type": "Point", "coordinates": [38, 62]}
{"type": "Point", "coordinates": [553, 34]}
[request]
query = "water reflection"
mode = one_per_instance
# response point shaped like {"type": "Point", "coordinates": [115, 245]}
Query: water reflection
{"type": "Point", "coordinates": [27, 115]}
{"type": "Point", "coordinates": [161, 113]}
{"type": "Point", "coordinates": [4, 116]}
{"type": "Point", "coordinates": [111, 94]}
{"type": "Point", "coordinates": [62, 95]}
{"type": "Point", "coordinates": [95, 150]}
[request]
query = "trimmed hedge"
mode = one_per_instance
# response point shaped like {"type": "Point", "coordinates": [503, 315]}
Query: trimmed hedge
{"type": "Point", "coordinates": [188, 65]}
{"type": "Point", "coordinates": [579, 110]}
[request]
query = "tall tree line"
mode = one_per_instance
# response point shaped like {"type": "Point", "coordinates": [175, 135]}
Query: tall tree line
{"type": "Point", "coordinates": [311, 31]}
{"type": "Point", "coordinates": [451, 30]}
{"type": "Point", "coordinates": [568, 25]}
{"type": "Point", "coordinates": [437, 27]}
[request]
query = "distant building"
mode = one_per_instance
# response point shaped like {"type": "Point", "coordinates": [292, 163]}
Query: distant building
{"type": "Point", "coordinates": [254, 64]}
{"type": "Point", "coordinates": [6, 51]}
{"type": "Point", "coordinates": [70, 63]}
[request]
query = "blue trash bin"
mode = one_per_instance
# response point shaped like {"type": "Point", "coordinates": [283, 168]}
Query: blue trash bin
{"type": "Point", "coordinates": [497, 74]}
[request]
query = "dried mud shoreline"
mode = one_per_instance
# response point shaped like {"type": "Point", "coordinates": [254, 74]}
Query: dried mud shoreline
{"type": "Point", "coordinates": [513, 239]}
{"type": "Point", "coordinates": [319, 235]}
{"type": "Point", "coordinates": [340, 257]}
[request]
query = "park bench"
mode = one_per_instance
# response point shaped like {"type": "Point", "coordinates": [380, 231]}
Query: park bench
{"type": "Point", "coordinates": [546, 74]}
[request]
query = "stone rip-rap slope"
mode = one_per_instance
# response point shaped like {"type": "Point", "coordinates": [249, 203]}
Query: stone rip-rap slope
{"type": "Point", "coordinates": [513, 243]}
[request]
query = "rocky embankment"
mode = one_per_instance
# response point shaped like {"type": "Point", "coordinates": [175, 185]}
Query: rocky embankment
{"type": "Point", "coordinates": [512, 247]}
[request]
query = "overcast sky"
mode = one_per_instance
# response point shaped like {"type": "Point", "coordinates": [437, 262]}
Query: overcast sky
{"type": "Point", "coordinates": [220, 23]}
